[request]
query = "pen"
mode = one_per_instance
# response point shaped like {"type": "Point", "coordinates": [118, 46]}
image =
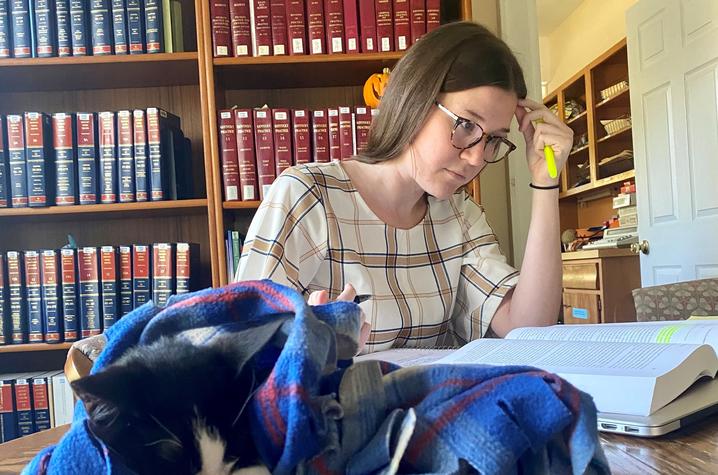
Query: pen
{"type": "Point", "coordinates": [550, 158]}
{"type": "Point", "coordinates": [361, 298]}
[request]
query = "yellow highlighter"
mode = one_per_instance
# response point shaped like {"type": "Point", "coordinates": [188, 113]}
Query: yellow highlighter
{"type": "Point", "coordinates": [550, 157]}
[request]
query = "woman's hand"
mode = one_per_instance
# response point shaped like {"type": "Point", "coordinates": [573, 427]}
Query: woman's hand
{"type": "Point", "coordinates": [549, 131]}
{"type": "Point", "coordinates": [321, 297]}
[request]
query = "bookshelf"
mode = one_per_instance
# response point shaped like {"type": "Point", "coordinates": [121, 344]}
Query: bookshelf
{"type": "Point", "coordinates": [587, 183]}
{"type": "Point", "coordinates": [308, 81]}
{"type": "Point", "coordinates": [194, 86]}
{"type": "Point", "coordinates": [172, 81]}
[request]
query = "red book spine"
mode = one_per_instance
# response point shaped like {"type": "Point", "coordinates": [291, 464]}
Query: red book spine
{"type": "Point", "coordinates": [240, 26]}
{"type": "Point", "coordinates": [64, 159]}
{"type": "Point", "coordinates": [384, 25]}
{"type": "Point", "coordinates": [245, 154]}
{"type": "Point", "coordinates": [70, 304]}
{"type": "Point", "coordinates": [139, 131]}
{"type": "Point", "coordinates": [264, 144]}
{"type": "Point", "coordinates": [297, 27]}
{"type": "Point", "coordinates": [320, 136]}
{"type": "Point", "coordinates": [162, 273]}
{"type": "Point", "coordinates": [335, 151]}
{"type": "Point", "coordinates": [402, 24]}
{"type": "Point", "coordinates": [108, 156]}
{"type": "Point", "coordinates": [334, 17]}
{"type": "Point", "coordinates": [367, 22]}
{"type": "Point", "coordinates": [126, 158]}
{"type": "Point", "coordinates": [17, 161]}
{"type": "Point", "coordinates": [363, 124]}
{"type": "Point", "coordinates": [346, 133]}
{"type": "Point", "coordinates": [418, 19]}
{"type": "Point", "coordinates": [50, 296]}
{"type": "Point", "coordinates": [221, 32]}
{"type": "Point", "coordinates": [315, 18]}
{"type": "Point", "coordinates": [228, 152]}
{"type": "Point", "coordinates": [300, 135]}
{"type": "Point", "coordinates": [282, 139]}
{"type": "Point", "coordinates": [433, 15]}
{"type": "Point", "coordinates": [141, 279]}
{"type": "Point", "coordinates": [90, 304]}
{"type": "Point", "coordinates": [351, 26]}
{"type": "Point", "coordinates": [184, 267]}
{"type": "Point", "coordinates": [261, 18]}
{"type": "Point", "coordinates": [33, 295]}
{"type": "Point", "coordinates": [37, 149]}
{"type": "Point", "coordinates": [278, 9]}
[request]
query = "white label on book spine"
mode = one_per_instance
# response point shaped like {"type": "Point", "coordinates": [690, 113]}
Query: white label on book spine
{"type": "Point", "coordinates": [318, 113]}
{"type": "Point", "coordinates": [299, 113]}
{"type": "Point", "coordinates": [385, 44]}
{"type": "Point", "coordinates": [352, 44]}
{"type": "Point", "coordinates": [337, 45]}
{"type": "Point", "coordinates": [263, 51]}
{"type": "Point", "coordinates": [242, 114]}
{"type": "Point", "coordinates": [298, 45]}
{"type": "Point", "coordinates": [280, 115]}
{"type": "Point", "coordinates": [232, 193]}
{"type": "Point", "coordinates": [278, 50]}
{"type": "Point", "coordinates": [265, 189]}
{"type": "Point", "coordinates": [248, 193]}
{"type": "Point", "coordinates": [402, 42]}
{"type": "Point", "coordinates": [222, 51]}
{"type": "Point", "coordinates": [370, 44]}
{"type": "Point", "coordinates": [225, 115]}
{"type": "Point", "coordinates": [242, 50]}
{"type": "Point", "coordinates": [317, 46]}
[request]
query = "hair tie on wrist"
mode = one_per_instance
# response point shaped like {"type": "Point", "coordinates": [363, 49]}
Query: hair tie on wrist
{"type": "Point", "coordinates": [537, 187]}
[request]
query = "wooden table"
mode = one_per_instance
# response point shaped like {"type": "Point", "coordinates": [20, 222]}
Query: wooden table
{"type": "Point", "coordinates": [691, 451]}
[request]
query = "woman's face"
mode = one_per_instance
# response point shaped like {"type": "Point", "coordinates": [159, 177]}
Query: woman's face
{"type": "Point", "coordinates": [441, 169]}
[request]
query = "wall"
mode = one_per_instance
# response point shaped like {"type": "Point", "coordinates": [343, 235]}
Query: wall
{"type": "Point", "coordinates": [494, 178]}
{"type": "Point", "coordinates": [591, 29]}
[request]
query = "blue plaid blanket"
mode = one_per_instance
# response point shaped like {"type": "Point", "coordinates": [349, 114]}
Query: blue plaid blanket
{"type": "Point", "coordinates": [318, 413]}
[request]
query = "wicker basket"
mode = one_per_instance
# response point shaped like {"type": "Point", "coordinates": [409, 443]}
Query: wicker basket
{"type": "Point", "coordinates": [613, 90]}
{"type": "Point", "coordinates": [616, 125]}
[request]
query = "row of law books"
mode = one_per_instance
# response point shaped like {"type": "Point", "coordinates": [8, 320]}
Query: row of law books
{"type": "Point", "coordinates": [62, 295]}
{"type": "Point", "coordinates": [49, 28]}
{"type": "Point", "coordinates": [87, 158]}
{"type": "Point", "coordinates": [297, 27]}
{"type": "Point", "coordinates": [33, 402]}
{"type": "Point", "coordinates": [257, 145]}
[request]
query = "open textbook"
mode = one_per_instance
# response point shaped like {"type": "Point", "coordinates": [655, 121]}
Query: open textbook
{"type": "Point", "coordinates": [628, 368]}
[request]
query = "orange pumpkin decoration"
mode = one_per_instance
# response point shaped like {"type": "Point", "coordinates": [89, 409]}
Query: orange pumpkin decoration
{"type": "Point", "coordinates": [374, 88]}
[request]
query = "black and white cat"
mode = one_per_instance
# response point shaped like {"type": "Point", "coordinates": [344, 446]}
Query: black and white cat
{"type": "Point", "coordinates": [173, 407]}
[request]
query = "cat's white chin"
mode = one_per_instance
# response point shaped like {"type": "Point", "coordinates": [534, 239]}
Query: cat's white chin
{"type": "Point", "coordinates": [256, 470]}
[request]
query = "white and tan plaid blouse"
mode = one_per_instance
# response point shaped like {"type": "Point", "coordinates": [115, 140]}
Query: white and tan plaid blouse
{"type": "Point", "coordinates": [438, 283]}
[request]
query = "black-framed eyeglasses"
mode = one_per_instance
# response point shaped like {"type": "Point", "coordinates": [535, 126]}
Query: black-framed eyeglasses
{"type": "Point", "coordinates": [467, 133]}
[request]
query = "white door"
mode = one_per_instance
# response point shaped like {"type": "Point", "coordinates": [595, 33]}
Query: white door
{"type": "Point", "coordinates": [673, 76]}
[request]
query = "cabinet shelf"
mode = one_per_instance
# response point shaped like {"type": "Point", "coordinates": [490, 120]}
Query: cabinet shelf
{"type": "Point", "coordinates": [98, 72]}
{"type": "Point", "coordinates": [598, 184]}
{"type": "Point", "coordinates": [321, 70]}
{"type": "Point", "coordinates": [608, 137]}
{"type": "Point", "coordinates": [576, 119]}
{"type": "Point", "coordinates": [621, 99]}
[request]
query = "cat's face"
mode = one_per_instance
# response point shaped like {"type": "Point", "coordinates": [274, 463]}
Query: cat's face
{"type": "Point", "coordinates": [174, 408]}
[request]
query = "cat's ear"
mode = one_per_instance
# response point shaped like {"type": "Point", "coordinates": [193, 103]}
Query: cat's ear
{"type": "Point", "coordinates": [111, 388]}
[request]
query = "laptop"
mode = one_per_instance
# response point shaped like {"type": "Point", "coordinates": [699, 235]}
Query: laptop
{"type": "Point", "coordinates": [698, 403]}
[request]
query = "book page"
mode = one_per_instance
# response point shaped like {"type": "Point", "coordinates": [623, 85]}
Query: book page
{"type": "Point", "coordinates": [693, 332]}
{"type": "Point", "coordinates": [407, 356]}
{"type": "Point", "coordinates": [621, 377]}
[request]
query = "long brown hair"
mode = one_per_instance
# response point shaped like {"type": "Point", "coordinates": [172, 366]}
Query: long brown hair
{"type": "Point", "coordinates": [454, 57]}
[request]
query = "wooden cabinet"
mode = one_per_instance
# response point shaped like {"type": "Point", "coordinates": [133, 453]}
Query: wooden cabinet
{"type": "Point", "coordinates": [597, 286]}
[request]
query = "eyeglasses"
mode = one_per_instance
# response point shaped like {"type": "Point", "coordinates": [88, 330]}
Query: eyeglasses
{"type": "Point", "coordinates": [467, 133]}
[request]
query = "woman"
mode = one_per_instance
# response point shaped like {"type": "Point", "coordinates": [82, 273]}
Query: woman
{"type": "Point", "coordinates": [396, 223]}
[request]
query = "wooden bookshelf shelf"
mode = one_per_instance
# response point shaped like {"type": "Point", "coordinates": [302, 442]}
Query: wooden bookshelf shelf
{"type": "Point", "coordinates": [98, 72]}
{"type": "Point", "coordinates": [581, 116]}
{"type": "Point", "coordinates": [579, 150]}
{"type": "Point", "coordinates": [622, 99]}
{"type": "Point", "coordinates": [614, 135]}
{"type": "Point", "coordinates": [321, 70]}
{"type": "Point", "coordinates": [150, 208]}
{"type": "Point", "coordinates": [28, 347]}
{"type": "Point", "coordinates": [252, 205]}
{"type": "Point", "coordinates": [598, 184]}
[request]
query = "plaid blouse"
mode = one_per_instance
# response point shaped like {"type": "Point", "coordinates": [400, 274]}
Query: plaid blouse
{"type": "Point", "coordinates": [438, 283]}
